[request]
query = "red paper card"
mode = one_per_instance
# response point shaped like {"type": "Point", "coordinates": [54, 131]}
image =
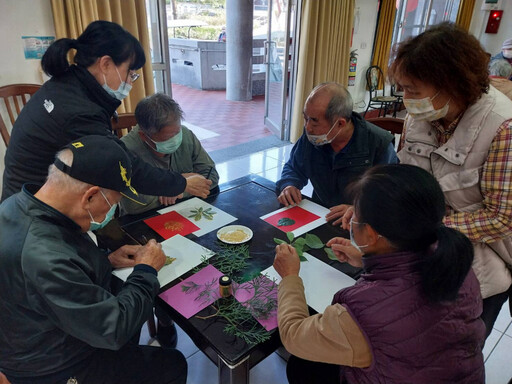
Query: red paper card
{"type": "Point", "coordinates": [171, 224]}
{"type": "Point", "coordinates": [297, 214]}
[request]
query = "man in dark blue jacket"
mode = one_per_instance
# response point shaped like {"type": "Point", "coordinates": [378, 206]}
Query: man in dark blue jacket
{"type": "Point", "coordinates": [336, 147]}
{"type": "Point", "coordinates": [59, 320]}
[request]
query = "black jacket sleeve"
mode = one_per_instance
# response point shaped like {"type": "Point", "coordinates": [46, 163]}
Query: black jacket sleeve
{"type": "Point", "coordinates": [150, 180]}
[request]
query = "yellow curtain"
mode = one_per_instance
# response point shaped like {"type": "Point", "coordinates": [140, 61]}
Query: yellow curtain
{"type": "Point", "coordinates": [384, 35]}
{"type": "Point", "coordinates": [71, 17]}
{"type": "Point", "coordinates": [465, 14]}
{"type": "Point", "coordinates": [324, 52]}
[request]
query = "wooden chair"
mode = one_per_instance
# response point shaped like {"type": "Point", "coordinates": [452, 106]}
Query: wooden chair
{"type": "Point", "coordinates": [378, 99]}
{"type": "Point", "coordinates": [391, 124]}
{"type": "Point", "coordinates": [124, 124]}
{"type": "Point", "coordinates": [14, 98]}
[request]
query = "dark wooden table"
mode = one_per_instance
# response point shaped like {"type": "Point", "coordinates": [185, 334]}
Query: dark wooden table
{"type": "Point", "coordinates": [246, 198]}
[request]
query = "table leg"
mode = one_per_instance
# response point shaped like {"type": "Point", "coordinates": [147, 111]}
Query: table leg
{"type": "Point", "coordinates": [238, 374]}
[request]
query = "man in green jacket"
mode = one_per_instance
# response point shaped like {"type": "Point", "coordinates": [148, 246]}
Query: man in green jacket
{"type": "Point", "coordinates": [59, 320]}
{"type": "Point", "coordinates": [161, 141]}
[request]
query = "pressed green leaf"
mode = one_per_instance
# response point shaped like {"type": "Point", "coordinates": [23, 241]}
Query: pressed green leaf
{"type": "Point", "coordinates": [302, 258]}
{"type": "Point", "coordinates": [314, 241]}
{"type": "Point", "coordinates": [330, 254]}
{"type": "Point", "coordinates": [279, 241]}
{"type": "Point", "coordinates": [300, 241]}
{"type": "Point", "coordinates": [284, 221]}
{"type": "Point", "coordinates": [191, 215]}
{"type": "Point", "coordinates": [198, 216]}
{"type": "Point", "coordinates": [290, 236]}
{"type": "Point", "coordinates": [299, 250]}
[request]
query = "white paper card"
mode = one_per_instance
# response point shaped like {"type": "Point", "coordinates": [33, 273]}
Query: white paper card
{"type": "Point", "coordinates": [220, 218]}
{"type": "Point", "coordinates": [321, 281]}
{"type": "Point", "coordinates": [310, 206]}
{"type": "Point", "coordinates": [187, 253]}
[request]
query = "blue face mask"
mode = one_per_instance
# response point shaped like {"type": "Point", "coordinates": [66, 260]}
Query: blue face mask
{"type": "Point", "coordinates": [110, 214]}
{"type": "Point", "coordinates": [170, 145]}
{"type": "Point", "coordinates": [121, 92]}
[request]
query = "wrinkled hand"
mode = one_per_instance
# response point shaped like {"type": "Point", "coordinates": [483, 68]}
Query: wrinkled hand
{"type": "Point", "coordinates": [345, 220]}
{"type": "Point", "coordinates": [123, 257]}
{"type": "Point", "coordinates": [287, 261]}
{"type": "Point", "coordinates": [290, 196]}
{"type": "Point", "coordinates": [345, 252]}
{"type": "Point", "coordinates": [197, 185]}
{"type": "Point", "coordinates": [151, 254]}
{"type": "Point", "coordinates": [337, 212]}
{"type": "Point", "coordinates": [165, 200]}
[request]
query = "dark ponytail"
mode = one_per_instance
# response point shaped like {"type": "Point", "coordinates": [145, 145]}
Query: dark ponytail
{"type": "Point", "coordinates": [405, 204]}
{"type": "Point", "coordinates": [444, 269]}
{"type": "Point", "coordinates": [55, 60]}
{"type": "Point", "coordinates": [100, 38]}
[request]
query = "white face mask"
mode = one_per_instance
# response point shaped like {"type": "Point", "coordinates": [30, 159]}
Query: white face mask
{"type": "Point", "coordinates": [121, 92]}
{"type": "Point", "coordinates": [423, 109]}
{"type": "Point", "coordinates": [321, 139]}
{"type": "Point", "coordinates": [507, 53]}
{"type": "Point", "coordinates": [353, 240]}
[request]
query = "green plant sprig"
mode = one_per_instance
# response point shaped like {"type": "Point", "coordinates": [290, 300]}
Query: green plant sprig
{"type": "Point", "coordinates": [232, 258]}
{"type": "Point", "coordinates": [303, 244]}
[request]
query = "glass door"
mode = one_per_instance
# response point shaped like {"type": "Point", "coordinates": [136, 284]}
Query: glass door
{"type": "Point", "coordinates": [278, 66]}
{"type": "Point", "coordinates": [159, 45]}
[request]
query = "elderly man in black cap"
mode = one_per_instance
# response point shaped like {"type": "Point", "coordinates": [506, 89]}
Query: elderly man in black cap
{"type": "Point", "coordinates": [59, 322]}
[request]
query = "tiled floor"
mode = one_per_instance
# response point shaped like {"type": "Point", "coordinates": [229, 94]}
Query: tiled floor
{"type": "Point", "coordinates": [268, 164]}
{"type": "Point", "coordinates": [236, 122]}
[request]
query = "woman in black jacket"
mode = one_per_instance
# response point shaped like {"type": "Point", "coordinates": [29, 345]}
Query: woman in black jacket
{"type": "Point", "coordinates": [80, 100]}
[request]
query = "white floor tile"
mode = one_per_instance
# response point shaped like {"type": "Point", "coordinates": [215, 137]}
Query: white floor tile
{"type": "Point", "coordinates": [229, 172]}
{"type": "Point", "coordinates": [185, 343]}
{"type": "Point", "coordinates": [308, 190]}
{"type": "Point", "coordinates": [145, 339]}
{"type": "Point", "coordinates": [269, 371]}
{"type": "Point", "coordinates": [491, 342]}
{"type": "Point", "coordinates": [201, 370]}
{"type": "Point", "coordinates": [498, 369]}
{"type": "Point", "coordinates": [256, 162]}
{"type": "Point", "coordinates": [281, 154]}
{"type": "Point", "coordinates": [503, 320]}
{"type": "Point", "coordinates": [509, 330]}
{"type": "Point", "coordinates": [272, 174]}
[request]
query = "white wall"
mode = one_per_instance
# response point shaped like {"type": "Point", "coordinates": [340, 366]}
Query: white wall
{"type": "Point", "coordinates": [364, 32]}
{"type": "Point", "coordinates": [491, 41]}
{"type": "Point", "coordinates": [21, 18]}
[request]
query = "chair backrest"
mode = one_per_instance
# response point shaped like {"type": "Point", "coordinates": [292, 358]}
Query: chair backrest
{"type": "Point", "coordinates": [124, 124]}
{"type": "Point", "coordinates": [13, 97]}
{"type": "Point", "coordinates": [374, 80]}
{"type": "Point", "coordinates": [391, 124]}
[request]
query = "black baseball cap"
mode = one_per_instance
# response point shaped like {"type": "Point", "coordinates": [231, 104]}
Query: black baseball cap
{"type": "Point", "coordinates": [101, 161]}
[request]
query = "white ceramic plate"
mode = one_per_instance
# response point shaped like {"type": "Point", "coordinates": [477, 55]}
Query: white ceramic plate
{"type": "Point", "coordinates": [234, 234]}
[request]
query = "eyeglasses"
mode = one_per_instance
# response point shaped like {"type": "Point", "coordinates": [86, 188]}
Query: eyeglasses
{"type": "Point", "coordinates": [133, 76]}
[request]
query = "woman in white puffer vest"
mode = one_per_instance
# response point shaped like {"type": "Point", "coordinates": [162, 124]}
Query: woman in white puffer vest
{"type": "Point", "coordinates": [460, 130]}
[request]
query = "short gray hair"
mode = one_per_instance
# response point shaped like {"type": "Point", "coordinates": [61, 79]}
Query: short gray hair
{"type": "Point", "coordinates": [501, 68]}
{"type": "Point", "coordinates": [340, 104]}
{"type": "Point", "coordinates": [58, 178]}
{"type": "Point", "coordinates": [156, 112]}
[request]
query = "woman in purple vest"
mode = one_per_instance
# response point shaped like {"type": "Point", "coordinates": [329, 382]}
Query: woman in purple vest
{"type": "Point", "coordinates": [413, 316]}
